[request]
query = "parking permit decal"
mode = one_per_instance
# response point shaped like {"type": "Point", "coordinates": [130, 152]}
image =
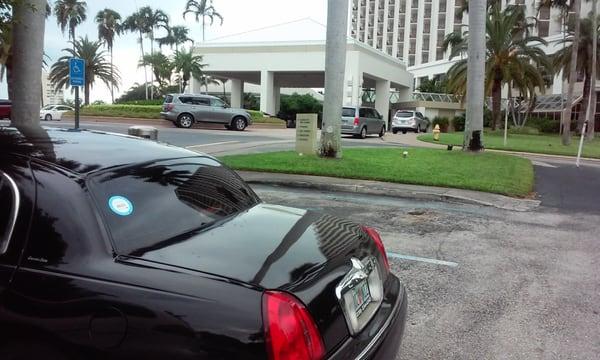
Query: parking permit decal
{"type": "Point", "coordinates": [120, 205]}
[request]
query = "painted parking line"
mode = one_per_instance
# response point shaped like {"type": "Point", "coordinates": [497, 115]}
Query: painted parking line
{"type": "Point", "coordinates": [212, 144]}
{"type": "Point", "coordinates": [426, 260]}
{"type": "Point", "coordinates": [543, 164]}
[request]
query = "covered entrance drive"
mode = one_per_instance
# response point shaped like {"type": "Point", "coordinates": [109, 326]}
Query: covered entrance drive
{"type": "Point", "coordinates": [274, 66]}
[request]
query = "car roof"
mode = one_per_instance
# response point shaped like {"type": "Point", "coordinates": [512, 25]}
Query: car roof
{"type": "Point", "coordinates": [84, 152]}
{"type": "Point", "coordinates": [196, 95]}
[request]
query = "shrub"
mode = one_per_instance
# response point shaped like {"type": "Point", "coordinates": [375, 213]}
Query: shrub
{"type": "Point", "coordinates": [143, 102]}
{"type": "Point", "coordinates": [296, 103]}
{"type": "Point", "coordinates": [544, 124]}
{"type": "Point", "coordinates": [442, 122]}
{"type": "Point", "coordinates": [459, 123]}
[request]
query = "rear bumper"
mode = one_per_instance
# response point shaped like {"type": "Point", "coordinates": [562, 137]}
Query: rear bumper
{"type": "Point", "coordinates": [168, 116]}
{"type": "Point", "coordinates": [388, 326]}
{"type": "Point", "coordinates": [351, 130]}
{"type": "Point", "coordinates": [404, 127]}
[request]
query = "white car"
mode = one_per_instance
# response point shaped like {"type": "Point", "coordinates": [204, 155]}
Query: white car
{"type": "Point", "coordinates": [54, 112]}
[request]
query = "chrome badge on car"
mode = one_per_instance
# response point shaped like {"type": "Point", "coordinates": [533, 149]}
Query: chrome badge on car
{"type": "Point", "coordinates": [360, 293]}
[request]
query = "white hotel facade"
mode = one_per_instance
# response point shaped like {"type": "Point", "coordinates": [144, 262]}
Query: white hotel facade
{"type": "Point", "coordinates": [414, 30]}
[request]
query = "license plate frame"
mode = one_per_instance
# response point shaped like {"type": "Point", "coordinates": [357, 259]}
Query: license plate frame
{"type": "Point", "coordinates": [361, 295]}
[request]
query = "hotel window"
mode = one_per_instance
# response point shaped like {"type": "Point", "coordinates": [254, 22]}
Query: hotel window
{"type": "Point", "coordinates": [439, 54]}
{"type": "Point", "coordinates": [441, 21]}
{"type": "Point", "coordinates": [411, 60]}
{"type": "Point", "coordinates": [424, 57]}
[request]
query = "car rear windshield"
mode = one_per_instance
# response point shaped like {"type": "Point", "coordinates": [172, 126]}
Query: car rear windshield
{"type": "Point", "coordinates": [168, 99]}
{"type": "Point", "coordinates": [404, 114]}
{"type": "Point", "coordinates": [151, 204]}
{"type": "Point", "coordinates": [348, 112]}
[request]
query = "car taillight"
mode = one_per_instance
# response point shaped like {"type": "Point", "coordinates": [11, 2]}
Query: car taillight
{"type": "Point", "coordinates": [169, 107]}
{"type": "Point", "coordinates": [374, 235]}
{"type": "Point", "coordinates": [290, 331]}
{"type": "Point", "coordinates": [356, 121]}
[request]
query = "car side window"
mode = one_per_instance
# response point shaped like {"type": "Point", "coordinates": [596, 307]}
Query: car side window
{"type": "Point", "coordinates": [216, 103]}
{"type": "Point", "coordinates": [419, 115]}
{"type": "Point", "coordinates": [186, 100]}
{"type": "Point", "coordinates": [202, 101]}
{"type": "Point", "coordinates": [9, 202]}
{"type": "Point", "coordinates": [362, 112]}
{"type": "Point", "coordinates": [376, 114]}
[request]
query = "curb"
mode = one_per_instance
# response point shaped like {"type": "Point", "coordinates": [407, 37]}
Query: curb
{"type": "Point", "coordinates": [404, 191]}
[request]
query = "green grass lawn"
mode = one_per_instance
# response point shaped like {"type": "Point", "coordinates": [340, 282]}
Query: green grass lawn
{"type": "Point", "coordinates": [543, 144]}
{"type": "Point", "coordinates": [490, 172]}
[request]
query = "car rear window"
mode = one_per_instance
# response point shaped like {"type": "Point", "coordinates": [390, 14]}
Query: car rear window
{"type": "Point", "coordinates": [404, 113]}
{"type": "Point", "coordinates": [150, 204]}
{"type": "Point", "coordinates": [168, 99]}
{"type": "Point", "coordinates": [348, 112]}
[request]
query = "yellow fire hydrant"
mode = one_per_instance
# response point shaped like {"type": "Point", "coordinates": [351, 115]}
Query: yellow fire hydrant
{"type": "Point", "coordinates": [436, 132]}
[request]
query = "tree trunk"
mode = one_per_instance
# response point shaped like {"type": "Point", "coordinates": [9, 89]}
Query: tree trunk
{"type": "Point", "coordinates": [86, 93]}
{"type": "Point", "coordinates": [593, 95]}
{"type": "Point", "coordinates": [473, 140]}
{"type": "Point", "coordinates": [145, 72]}
{"type": "Point", "coordinates": [29, 19]}
{"type": "Point", "coordinates": [496, 103]}
{"type": "Point", "coordinates": [203, 27]}
{"type": "Point", "coordinates": [112, 75]}
{"type": "Point", "coordinates": [9, 78]}
{"type": "Point", "coordinates": [566, 126]}
{"type": "Point", "coordinates": [151, 64]}
{"type": "Point", "coordinates": [335, 69]}
{"type": "Point", "coordinates": [587, 91]}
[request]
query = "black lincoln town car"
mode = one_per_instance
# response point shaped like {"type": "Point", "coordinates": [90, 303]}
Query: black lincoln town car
{"type": "Point", "coordinates": [117, 247]}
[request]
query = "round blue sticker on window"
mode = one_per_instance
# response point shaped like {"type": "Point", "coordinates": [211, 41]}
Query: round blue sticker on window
{"type": "Point", "coordinates": [120, 205]}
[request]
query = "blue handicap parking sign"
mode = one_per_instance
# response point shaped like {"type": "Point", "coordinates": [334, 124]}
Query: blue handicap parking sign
{"type": "Point", "coordinates": [76, 72]}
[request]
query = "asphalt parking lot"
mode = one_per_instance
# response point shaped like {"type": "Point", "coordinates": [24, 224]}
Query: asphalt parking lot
{"type": "Point", "coordinates": [486, 283]}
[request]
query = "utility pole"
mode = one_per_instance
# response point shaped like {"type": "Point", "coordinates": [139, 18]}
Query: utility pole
{"type": "Point", "coordinates": [473, 140]}
{"type": "Point", "coordinates": [335, 69]}
{"type": "Point", "coordinates": [29, 19]}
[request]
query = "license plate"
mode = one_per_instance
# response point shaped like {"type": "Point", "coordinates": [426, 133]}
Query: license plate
{"type": "Point", "coordinates": [403, 121]}
{"type": "Point", "coordinates": [362, 297]}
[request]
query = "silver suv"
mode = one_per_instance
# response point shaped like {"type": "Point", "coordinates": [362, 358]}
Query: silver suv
{"type": "Point", "coordinates": [409, 120]}
{"type": "Point", "coordinates": [186, 109]}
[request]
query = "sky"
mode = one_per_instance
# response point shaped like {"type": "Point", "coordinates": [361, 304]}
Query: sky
{"type": "Point", "coordinates": [239, 16]}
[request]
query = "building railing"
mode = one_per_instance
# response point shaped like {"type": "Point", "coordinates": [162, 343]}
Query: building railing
{"type": "Point", "coordinates": [445, 98]}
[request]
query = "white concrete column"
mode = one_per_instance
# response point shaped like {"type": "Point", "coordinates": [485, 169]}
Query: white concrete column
{"type": "Point", "coordinates": [237, 93]}
{"type": "Point", "coordinates": [277, 98]}
{"type": "Point", "coordinates": [356, 89]}
{"type": "Point", "coordinates": [404, 94]}
{"type": "Point", "coordinates": [382, 98]}
{"type": "Point", "coordinates": [267, 100]}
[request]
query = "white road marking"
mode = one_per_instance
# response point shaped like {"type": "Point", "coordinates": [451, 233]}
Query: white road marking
{"type": "Point", "coordinates": [427, 260]}
{"type": "Point", "coordinates": [212, 144]}
{"type": "Point", "coordinates": [543, 164]}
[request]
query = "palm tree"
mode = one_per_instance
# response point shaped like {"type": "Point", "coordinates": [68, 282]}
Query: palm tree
{"type": "Point", "coordinates": [109, 25]}
{"type": "Point", "coordinates": [70, 14]}
{"type": "Point", "coordinates": [96, 66]}
{"type": "Point", "coordinates": [562, 59]}
{"type": "Point", "coordinates": [206, 80]}
{"type": "Point", "coordinates": [161, 65]}
{"type": "Point", "coordinates": [155, 19]}
{"type": "Point", "coordinates": [202, 9]}
{"type": "Point", "coordinates": [566, 124]}
{"type": "Point", "coordinates": [189, 65]}
{"type": "Point", "coordinates": [176, 35]}
{"type": "Point", "coordinates": [593, 95]}
{"type": "Point", "coordinates": [512, 55]}
{"type": "Point", "coordinates": [137, 22]}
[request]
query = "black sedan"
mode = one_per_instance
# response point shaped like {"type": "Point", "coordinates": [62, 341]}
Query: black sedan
{"type": "Point", "coordinates": [118, 247]}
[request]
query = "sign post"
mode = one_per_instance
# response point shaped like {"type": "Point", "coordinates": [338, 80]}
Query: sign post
{"type": "Point", "coordinates": [76, 79]}
{"type": "Point", "coordinates": [306, 133]}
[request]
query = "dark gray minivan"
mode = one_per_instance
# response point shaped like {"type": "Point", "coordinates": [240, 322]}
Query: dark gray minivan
{"type": "Point", "coordinates": [361, 121]}
{"type": "Point", "coordinates": [186, 109]}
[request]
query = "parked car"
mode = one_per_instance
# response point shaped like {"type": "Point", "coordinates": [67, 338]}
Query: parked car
{"type": "Point", "coordinates": [54, 112]}
{"type": "Point", "coordinates": [290, 119]}
{"type": "Point", "coordinates": [5, 107]}
{"type": "Point", "coordinates": [409, 120]}
{"type": "Point", "coordinates": [186, 109]}
{"type": "Point", "coordinates": [153, 251]}
{"type": "Point", "coordinates": [362, 121]}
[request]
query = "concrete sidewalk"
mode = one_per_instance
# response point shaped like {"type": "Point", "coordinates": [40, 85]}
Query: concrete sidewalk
{"type": "Point", "coordinates": [390, 189]}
